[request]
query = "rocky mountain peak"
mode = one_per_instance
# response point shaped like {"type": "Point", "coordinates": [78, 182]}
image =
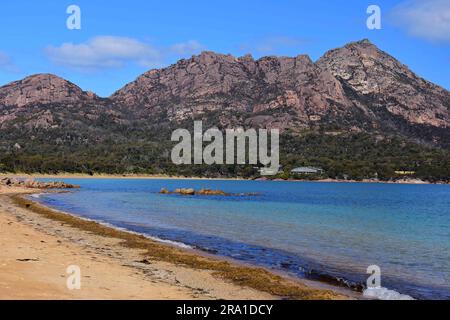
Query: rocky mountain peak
{"type": "Point", "coordinates": [42, 89]}
{"type": "Point", "coordinates": [387, 85]}
{"type": "Point", "coordinates": [207, 57]}
{"type": "Point", "coordinates": [363, 41]}
{"type": "Point", "coordinates": [246, 58]}
{"type": "Point", "coordinates": [355, 86]}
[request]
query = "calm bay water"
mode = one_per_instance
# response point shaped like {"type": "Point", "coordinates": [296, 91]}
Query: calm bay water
{"type": "Point", "coordinates": [306, 229]}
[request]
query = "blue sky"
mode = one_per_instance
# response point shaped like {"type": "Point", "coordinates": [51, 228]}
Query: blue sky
{"type": "Point", "coordinates": [119, 40]}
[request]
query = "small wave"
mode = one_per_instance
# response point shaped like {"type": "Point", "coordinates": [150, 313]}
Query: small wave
{"type": "Point", "coordinates": [174, 243]}
{"type": "Point", "coordinates": [109, 225]}
{"type": "Point", "coordinates": [385, 294]}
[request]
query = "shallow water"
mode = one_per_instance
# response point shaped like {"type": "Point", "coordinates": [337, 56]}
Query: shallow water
{"type": "Point", "coordinates": [306, 229]}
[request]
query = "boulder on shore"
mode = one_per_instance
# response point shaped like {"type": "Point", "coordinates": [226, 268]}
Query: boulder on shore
{"type": "Point", "coordinates": [33, 184]}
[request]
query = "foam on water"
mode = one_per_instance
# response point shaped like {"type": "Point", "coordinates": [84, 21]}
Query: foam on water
{"type": "Point", "coordinates": [171, 242]}
{"type": "Point", "coordinates": [385, 294]}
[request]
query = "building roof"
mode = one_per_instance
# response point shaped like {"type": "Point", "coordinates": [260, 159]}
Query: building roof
{"type": "Point", "coordinates": [306, 170]}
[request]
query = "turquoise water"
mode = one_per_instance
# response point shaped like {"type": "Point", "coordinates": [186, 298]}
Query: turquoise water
{"type": "Point", "coordinates": [317, 230]}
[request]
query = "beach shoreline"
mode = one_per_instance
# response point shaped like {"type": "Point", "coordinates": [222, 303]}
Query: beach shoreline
{"type": "Point", "coordinates": [407, 181]}
{"type": "Point", "coordinates": [181, 273]}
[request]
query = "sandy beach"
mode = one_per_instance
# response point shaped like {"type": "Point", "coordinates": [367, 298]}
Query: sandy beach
{"type": "Point", "coordinates": [38, 244]}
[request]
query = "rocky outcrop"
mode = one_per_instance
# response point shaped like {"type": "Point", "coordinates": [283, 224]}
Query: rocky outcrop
{"type": "Point", "coordinates": [209, 192]}
{"type": "Point", "coordinates": [185, 192]}
{"type": "Point", "coordinates": [206, 192]}
{"type": "Point", "coordinates": [192, 192]}
{"type": "Point", "coordinates": [43, 89]}
{"type": "Point", "coordinates": [164, 191]}
{"type": "Point", "coordinates": [45, 102]}
{"type": "Point", "coordinates": [231, 86]}
{"type": "Point", "coordinates": [378, 83]}
{"type": "Point", "coordinates": [33, 184]}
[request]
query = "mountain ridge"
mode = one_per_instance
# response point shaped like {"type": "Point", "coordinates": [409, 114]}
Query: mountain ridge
{"type": "Point", "coordinates": [355, 88]}
{"type": "Point", "coordinates": [357, 113]}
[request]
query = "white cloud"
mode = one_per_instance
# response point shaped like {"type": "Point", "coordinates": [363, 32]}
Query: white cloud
{"type": "Point", "coordinates": [6, 63]}
{"type": "Point", "coordinates": [428, 19]}
{"type": "Point", "coordinates": [104, 52]}
{"type": "Point", "coordinates": [274, 45]}
{"type": "Point", "coordinates": [187, 48]}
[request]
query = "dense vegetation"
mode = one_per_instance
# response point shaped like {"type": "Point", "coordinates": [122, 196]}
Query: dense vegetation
{"type": "Point", "coordinates": [146, 150]}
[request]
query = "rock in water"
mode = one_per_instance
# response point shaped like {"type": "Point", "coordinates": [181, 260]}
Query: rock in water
{"type": "Point", "coordinates": [164, 191]}
{"type": "Point", "coordinates": [209, 192]}
{"type": "Point", "coordinates": [185, 192]}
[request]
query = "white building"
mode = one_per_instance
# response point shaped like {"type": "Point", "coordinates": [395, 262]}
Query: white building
{"type": "Point", "coordinates": [307, 170]}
